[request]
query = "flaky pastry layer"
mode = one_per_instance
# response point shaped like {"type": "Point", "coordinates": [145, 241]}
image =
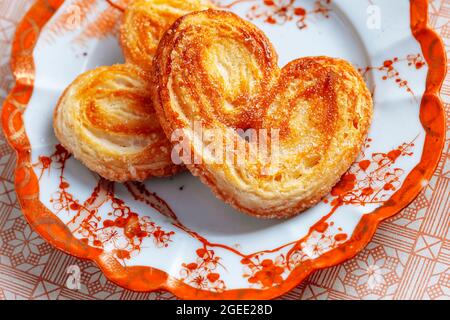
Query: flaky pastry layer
{"type": "Point", "coordinates": [215, 68]}
{"type": "Point", "coordinates": [145, 22]}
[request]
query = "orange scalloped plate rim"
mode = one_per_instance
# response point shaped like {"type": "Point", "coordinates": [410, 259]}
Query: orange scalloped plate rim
{"type": "Point", "coordinates": [148, 279]}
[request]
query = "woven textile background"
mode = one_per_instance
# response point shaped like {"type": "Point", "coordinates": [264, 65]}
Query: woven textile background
{"type": "Point", "coordinates": [409, 257]}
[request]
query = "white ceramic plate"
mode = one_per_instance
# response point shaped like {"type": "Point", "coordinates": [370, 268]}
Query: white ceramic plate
{"type": "Point", "coordinates": [173, 233]}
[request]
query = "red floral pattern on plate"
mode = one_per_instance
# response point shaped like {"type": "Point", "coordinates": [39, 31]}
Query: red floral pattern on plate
{"type": "Point", "coordinates": [369, 181]}
{"type": "Point", "coordinates": [389, 70]}
{"type": "Point", "coordinates": [202, 273]}
{"type": "Point", "coordinates": [418, 246]}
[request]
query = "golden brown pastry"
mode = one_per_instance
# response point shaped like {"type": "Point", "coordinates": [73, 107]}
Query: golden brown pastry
{"type": "Point", "coordinates": [214, 70]}
{"type": "Point", "coordinates": [105, 118]}
{"type": "Point", "coordinates": [145, 22]}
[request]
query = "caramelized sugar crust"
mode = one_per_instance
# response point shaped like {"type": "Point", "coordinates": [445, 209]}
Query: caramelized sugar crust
{"type": "Point", "coordinates": [145, 22]}
{"type": "Point", "coordinates": [106, 119]}
{"type": "Point", "coordinates": [216, 68]}
{"type": "Point", "coordinates": [125, 141]}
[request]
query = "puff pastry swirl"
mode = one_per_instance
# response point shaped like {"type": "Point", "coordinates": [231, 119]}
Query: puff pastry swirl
{"type": "Point", "coordinates": [145, 22]}
{"type": "Point", "coordinates": [218, 70]}
{"type": "Point", "coordinates": [105, 118]}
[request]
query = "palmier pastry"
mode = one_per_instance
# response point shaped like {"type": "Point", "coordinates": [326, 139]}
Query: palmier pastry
{"type": "Point", "coordinates": [105, 118]}
{"type": "Point", "coordinates": [217, 73]}
{"type": "Point", "coordinates": [145, 22]}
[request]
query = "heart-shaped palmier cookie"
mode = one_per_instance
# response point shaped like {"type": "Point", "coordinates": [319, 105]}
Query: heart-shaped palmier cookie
{"type": "Point", "coordinates": [105, 117]}
{"type": "Point", "coordinates": [145, 22]}
{"type": "Point", "coordinates": [271, 142]}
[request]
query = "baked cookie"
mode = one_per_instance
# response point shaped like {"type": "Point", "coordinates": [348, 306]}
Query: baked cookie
{"type": "Point", "coordinates": [105, 118]}
{"type": "Point", "coordinates": [145, 22]}
{"type": "Point", "coordinates": [216, 77]}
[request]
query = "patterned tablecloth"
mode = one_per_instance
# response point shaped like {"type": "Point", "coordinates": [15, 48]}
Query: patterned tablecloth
{"type": "Point", "coordinates": [409, 257]}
